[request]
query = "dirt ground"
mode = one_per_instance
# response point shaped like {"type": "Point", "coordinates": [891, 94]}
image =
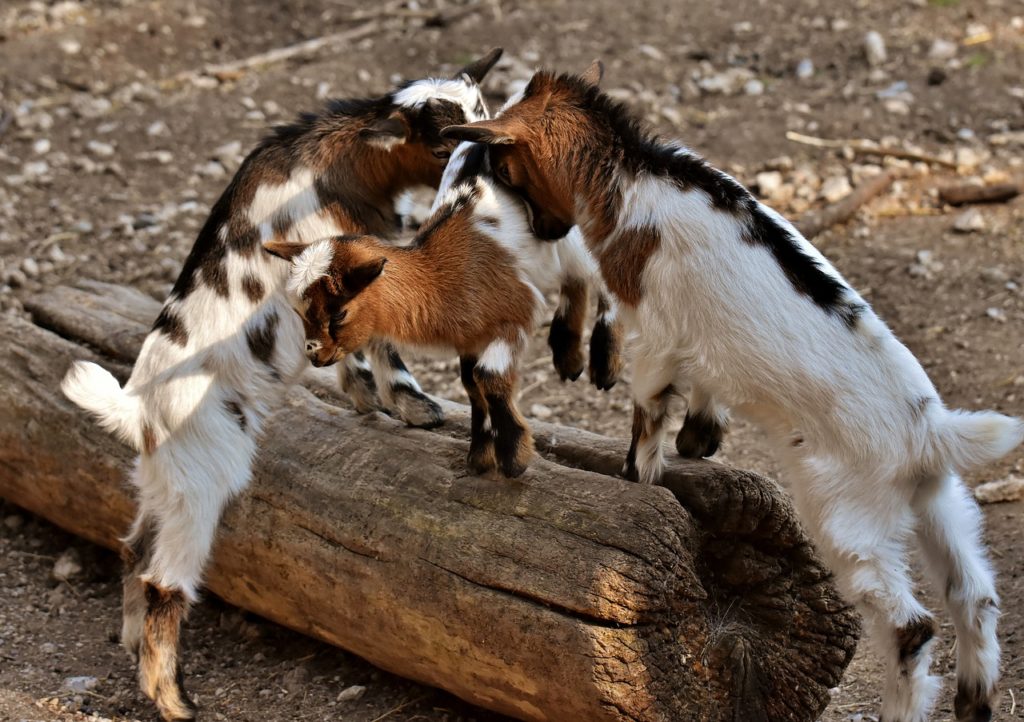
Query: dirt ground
{"type": "Point", "coordinates": [109, 160]}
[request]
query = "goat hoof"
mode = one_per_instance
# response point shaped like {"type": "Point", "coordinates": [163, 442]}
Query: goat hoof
{"type": "Point", "coordinates": [416, 408]}
{"type": "Point", "coordinates": [513, 469]}
{"type": "Point", "coordinates": [481, 460]}
{"type": "Point", "coordinates": [699, 438]}
{"type": "Point", "coordinates": [630, 473]}
{"type": "Point", "coordinates": [971, 704]}
{"type": "Point", "coordinates": [605, 359]}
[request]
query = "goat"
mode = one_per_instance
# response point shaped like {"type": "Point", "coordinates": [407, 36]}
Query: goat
{"type": "Point", "coordinates": [226, 344]}
{"type": "Point", "coordinates": [470, 282]}
{"type": "Point", "coordinates": [723, 295]}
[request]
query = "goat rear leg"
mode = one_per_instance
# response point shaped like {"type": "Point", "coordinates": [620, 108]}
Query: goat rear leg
{"type": "Point", "coordinates": [356, 380]}
{"type": "Point", "coordinates": [652, 390]}
{"type": "Point", "coordinates": [160, 673]}
{"type": "Point", "coordinates": [136, 552]}
{"type": "Point", "coordinates": [606, 345]}
{"type": "Point", "coordinates": [703, 428]}
{"type": "Point", "coordinates": [399, 391]}
{"type": "Point", "coordinates": [566, 335]}
{"type": "Point", "coordinates": [495, 374]}
{"type": "Point", "coordinates": [954, 554]}
{"type": "Point", "coordinates": [481, 457]}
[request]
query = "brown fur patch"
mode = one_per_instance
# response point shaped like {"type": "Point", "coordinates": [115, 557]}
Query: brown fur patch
{"type": "Point", "coordinates": [566, 335]}
{"type": "Point", "coordinates": [253, 288]}
{"type": "Point", "coordinates": [148, 439]}
{"type": "Point", "coordinates": [912, 637]}
{"type": "Point", "coordinates": [623, 260]}
{"type": "Point", "coordinates": [159, 664]}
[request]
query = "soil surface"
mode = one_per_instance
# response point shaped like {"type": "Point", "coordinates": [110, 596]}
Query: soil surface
{"type": "Point", "coordinates": [110, 158]}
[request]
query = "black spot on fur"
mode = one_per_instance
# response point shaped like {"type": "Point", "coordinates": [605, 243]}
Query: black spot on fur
{"type": "Point", "coordinates": [253, 288]}
{"type": "Point", "coordinates": [565, 346]}
{"type": "Point", "coordinates": [215, 275]}
{"type": "Point", "coordinates": [911, 638]}
{"type": "Point", "coordinates": [261, 339]}
{"type": "Point", "coordinates": [971, 704]}
{"type": "Point", "coordinates": [169, 324]}
{"type": "Point", "coordinates": [394, 360]}
{"type": "Point", "coordinates": [473, 164]}
{"type": "Point", "coordinates": [235, 409]}
{"type": "Point", "coordinates": [699, 437]}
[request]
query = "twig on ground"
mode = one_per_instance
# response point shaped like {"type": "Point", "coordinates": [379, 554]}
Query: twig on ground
{"type": "Point", "coordinates": [400, 707]}
{"type": "Point", "coordinates": [814, 222]}
{"type": "Point", "coordinates": [964, 194]}
{"type": "Point", "coordinates": [867, 147]}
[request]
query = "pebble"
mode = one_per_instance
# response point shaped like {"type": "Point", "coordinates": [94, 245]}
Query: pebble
{"type": "Point", "coordinates": [30, 267]}
{"type": "Point", "coordinates": [936, 76]}
{"type": "Point", "coordinates": [768, 183]}
{"type": "Point", "coordinates": [323, 90]}
{"type": "Point", "coordinates": [100, 149]}
{"type": "Point", "coordinates": [13, 522]}
{"type": "Point", "coordinates": [727, 82]}
{"type": "Point", "coordinates": [80, 685]}
{"type": "Point", "coordinates": [48, 648]}
{"type": "Point", "coordinates": [156, 128]}
{"type": "Point", "coordinates": [967, 157]}
{"type": "Point", "coordinates": [672, 115]}
{"type": "Point", "coordinates": [995, 274]}
{"type": "Point", "coordinates": [41, 146]}
{"type": "Point", "coordinates": [874, 48]}
{"type": "Point", "coordinates": [942, 49]}
{"type": "Point", "coordinates": [836, 188]}
{"type": "Point", "coordinates": [350, 694]}
{"type": "Point", "coordinates": [35, 169]}
{"type": "Point", "coordinates": [271, 108]}
{"type": "Point", "coordinates": [970, 221]}
{"type": "Point", "coordinates": [213, 169]}
{"type": "Point", "coordinates": [163, 157]}
{"type": "Point", "coordinates": [996, 314]}
{"type": "Point", "coordinates": [753, 87]}
{"type": "Point", "coordinates": [542, 412]}
{"type": "Point", "coordinates": [15, 278]}
{"type": "Point", "coordinates": [67, 566]}
{"type": "Point", "coordinates": [70, 46]}
{"type": "Point", "coordinates": [805, 69]}
{"type": "Point", "coordinates": [896, 106]}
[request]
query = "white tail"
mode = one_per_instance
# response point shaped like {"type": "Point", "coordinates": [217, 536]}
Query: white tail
{"type": "Point", "coordinates": [97, 391]}
{"type": "Point", "coordinates": [968, 439]}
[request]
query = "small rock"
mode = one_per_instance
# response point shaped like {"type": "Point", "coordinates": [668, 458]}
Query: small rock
{"type": "Point", "coordinates": [753, 87]}
{"type": "Point", "coordinates": [768, 183]}
{"type": "Point", "coordinates": [41, 146]}
{"type": "Point", "coordinates": [70, 46]}
{"type": "Point", "coordinates": [672, 115]}
{"type": "Point", "coordinates": [156, 128]}
{"type": "Point", "coordinates": [13, 522]}
{"type": "Point", "coordinates": [996, 314]}
{"type": "Point", "coordinates": [874, 48]}
{"type": "Point", "coordinates": [271, 108]}
{"type": "Point", "coordinates": [57, 254]}
{"type": "Point", "coordinates": [15, 278]}
{"type": "Point", "coordinates": [228, 154]}
{"type": "Point", "coordinates": [995, 274]}
{"type": "Point", "coordinates": [897, 106]}
{"type": "Point", "coordinates": [967, 157]}
{"type": "Point", "coordinates": [323, 90]}
{"type": "Point", "coordinates": [35, 169]}
{"type": "Point", "coordinates": [48, 648]}
{"type": "Point", "coordinates": [144, 220]}
{"type": "Point", "coordinates": [936, 76]}
{"type": "Point", "coordinates": [970, 221]}
{"type": "Point", "coordinates": [728, 82]}
{"type": "Point", "coordinates": [30, 267]}
{"type": "Point", "coordinates": [540, 411]}
{"type": "Point", "coordinates": [965, 134]}
{"type": "Point", "coordinates": [942, 49]}
{"type": "Point", "coordinates": [836, 188]}
{"type": "Point", "coordinates": [805, 69]}
{"type": "Point", "coordinates": [100, 149]}
{"type": "Point", "coordinates": [213, 169]}
{"type": "Point", "coordinates": [650, 51]}
{"type": "Point", "coordinates": [67, 566]}
{"type": "Point", "coordinates": [350, 694]}
{"type": "Point", "coordinates": [80, 685]}
{"type": "Point", "coordinates": [991, 492]}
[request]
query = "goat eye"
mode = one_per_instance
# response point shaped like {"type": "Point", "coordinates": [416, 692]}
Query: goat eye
{"type": "Point", "coordinates": [338, 318]}
{"type": "Point", "coordinates": [442, 154]}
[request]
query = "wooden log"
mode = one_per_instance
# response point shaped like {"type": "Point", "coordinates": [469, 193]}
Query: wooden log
{"type": "Point", "coordinates": [964, 194]}
{"type": "Point", "coordinates": [564, 595]}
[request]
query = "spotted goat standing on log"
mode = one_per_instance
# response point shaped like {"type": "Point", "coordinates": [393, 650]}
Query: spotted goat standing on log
{"type": "Point", "coordinates": [227, 343]}
{"type": "Point", "coordinates": [723, 296]}
{"type": "Point", "coordinates": [471, 281]}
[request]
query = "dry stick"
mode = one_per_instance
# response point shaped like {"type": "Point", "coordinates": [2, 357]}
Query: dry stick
{"type": "Point", "coordinates": [962, 195]}
{"type": "Point", "coordinates": [814, 222]}
{"type": "Point", "coordinates": [867, 147]}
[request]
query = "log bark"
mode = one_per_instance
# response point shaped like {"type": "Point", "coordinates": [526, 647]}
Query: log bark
{"type": "Point", "coordinates": [564, 595]}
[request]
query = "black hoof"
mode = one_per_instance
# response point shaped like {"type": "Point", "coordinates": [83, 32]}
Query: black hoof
{"type": "Point", "coordinates": [699, 438]}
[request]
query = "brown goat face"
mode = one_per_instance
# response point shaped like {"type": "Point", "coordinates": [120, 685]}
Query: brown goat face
{"type": "Point", "coordinates": [328, 283]}
{"type": "Point", "coordinates": [531, 150]}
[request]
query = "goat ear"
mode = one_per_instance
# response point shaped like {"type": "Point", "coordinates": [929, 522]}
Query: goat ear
{"type": "Point", "coordinates": [386, 133]}
{"type": "Point", "coordinates": [359, 277]}
{"type": "Point", "coordinates": [286, 251]}
{"type": "Point", "coordinates": [593, 74]}
{"type": "Point", "coordinates": [477, 70]}
{"type": "Point", "coordinates": [491, 132]}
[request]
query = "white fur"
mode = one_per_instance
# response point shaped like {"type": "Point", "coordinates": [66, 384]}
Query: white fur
{"type": "Point", "coordinates": [462, 93]}
{"type": "Point", "coordinates": [310, 266]}
{"type": "Point", "coordinates": [296, 202]}
{"type": "Point", "coordinates": [870, 449]}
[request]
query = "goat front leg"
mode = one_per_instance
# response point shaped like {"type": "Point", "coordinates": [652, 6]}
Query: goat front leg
{"type": "Point", "coordinates": [481, 439]}
{"type": "Point", "coordinates": [495, 375]}
{"type": "Point", "coordinates": [356, 380]}
{"type": "Point", "coordinates": [652, 391]}
{"type": "Point", "coordinates": [606, 345]}
{"type": "Point", "coordinates": [703, 428]}
{"type": "Point", "coordinates": [398, 390]}
{"type": "Point", "coordinates": [566, 335]}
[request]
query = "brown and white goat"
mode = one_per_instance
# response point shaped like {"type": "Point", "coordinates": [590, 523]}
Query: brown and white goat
{"type": "Point", "coordinates": [227, 344]}
{"type": "Point", "coordinates": [723, 295]}
{"type": "Point", "coordinates": [469, 283]}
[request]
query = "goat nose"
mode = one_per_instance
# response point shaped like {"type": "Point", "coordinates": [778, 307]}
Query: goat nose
{"type": "Point", "coordinates": [312, 346]}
